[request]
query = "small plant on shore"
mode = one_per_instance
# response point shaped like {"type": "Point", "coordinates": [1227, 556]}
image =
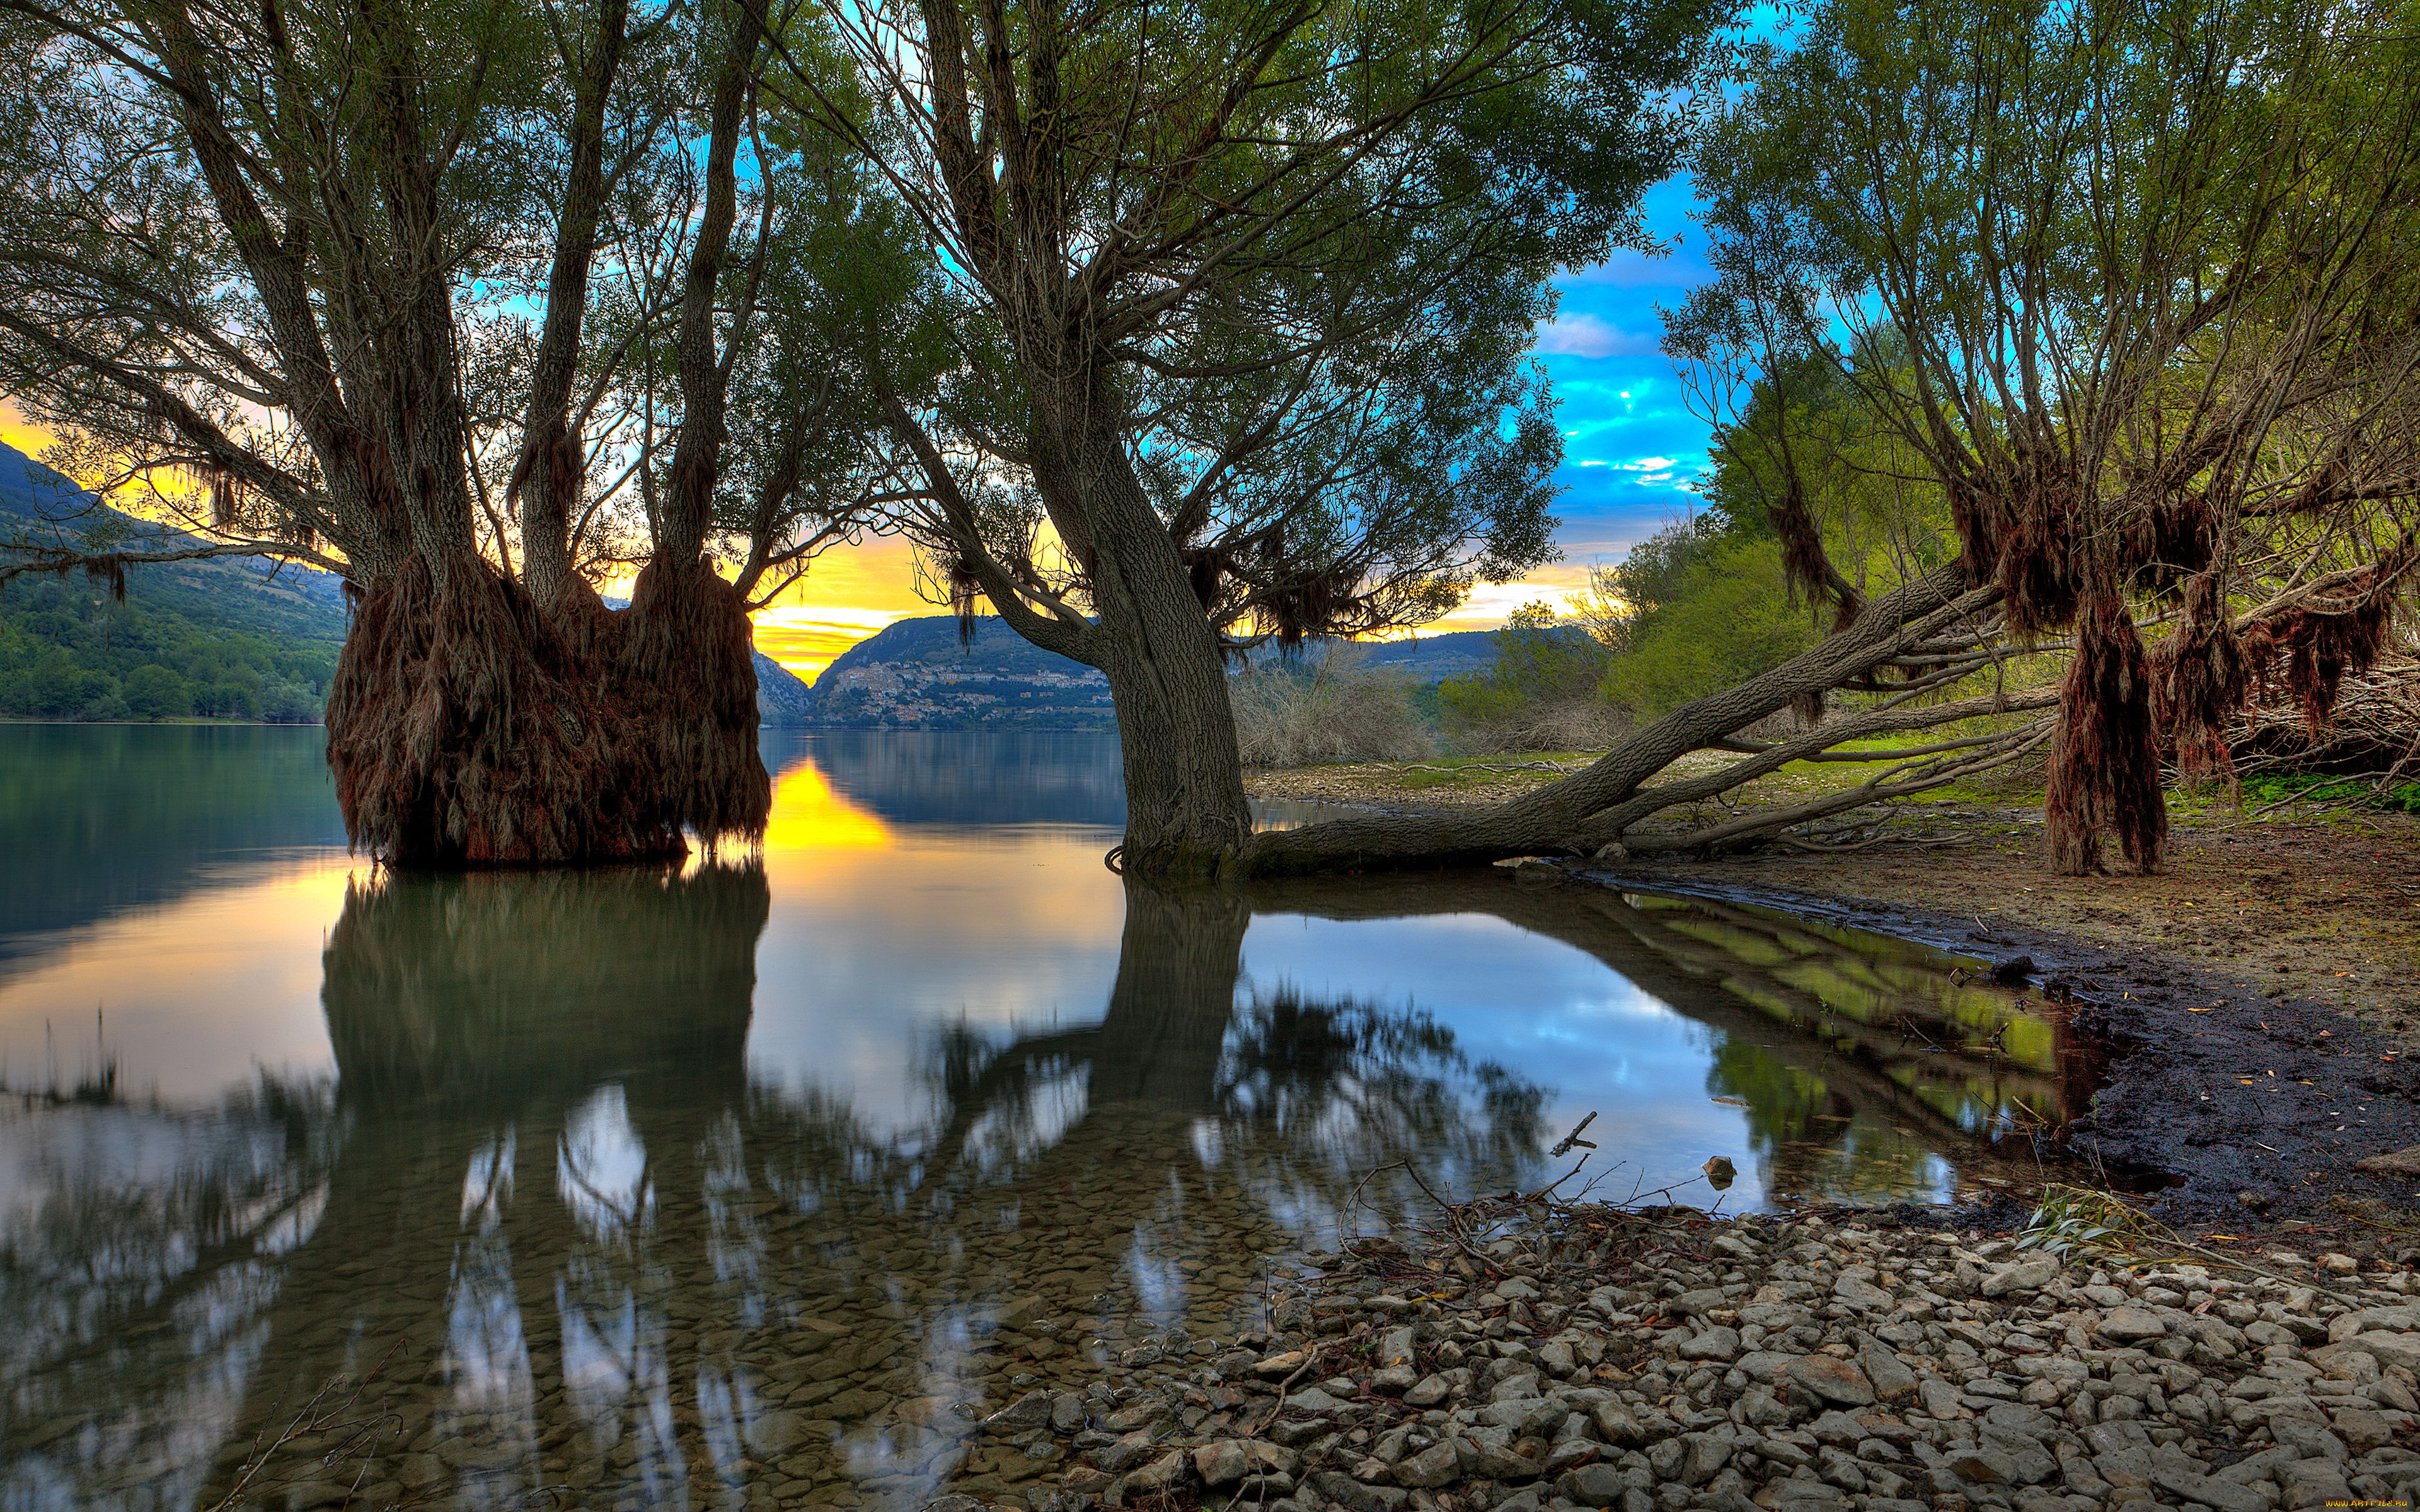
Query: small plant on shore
{"type": "Point", "coordinates": [1333, 710]}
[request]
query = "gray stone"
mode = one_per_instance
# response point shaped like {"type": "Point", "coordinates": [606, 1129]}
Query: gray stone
{"type": "Point", "coordinates": [1892, 1381]}
{"type": "Point", "coordinates": [2029, 1457]}
{"type": "Point", "coordinates": [2220, 1495]}
{"type": "Point", "coordinates": [1710, 1344]}
{"type": "Point", "coordinates": [1763, 1365]}
{"type": "Point", "coordinates": [2020, 1275]}
{"type": "Point", "coordinates": [1707, 1453]}
{"type": "Point", "coordinates": [2015, 1418]}
{"type": "Point", "coordinates": [1066, 1412]}
{"type": "Point", "coordinates": [1513, 1387]}
{"type": "Point", "coordinates": [1395, 1347]}
{"type": "Point", "coordinates": [1593, 1485]}
{"type": "Point", "coordinates": [1030, 1410]}
{"type": "Point", "coordinates": [1614, 1424]}
{"type": "Point", "coordinates": [1833, 1381]}
{"type": "Point", "coordinates": [1436, 1465]}
{"type": "Point", "coordinates": [1221, 1462]}
{"type": "Point", "coordinates": [1394, 1380]}
{"type": "Point", "coordinates": [1940, 1399]}
{"type": "Point", "coordinates": [2308, 1440]}
{"type": "Point", "coordinates": [1982, 1465]}
{"type": "Point", "coordinates": [1358, 1495]}
{"type": "Point", "coordinates": [2128, 1325]}
{"type": "Point", "coordinates": [1158, 1475]}
{"type": "Point", "coordinates": [1126, 1453]}
{"type": "Point", "coordinates": [2310, 1483]}
{"type": "Point", "coordinates": [2362, 1429]}
{"type": "Point", "coordinates": [2388, 1349]}
{"type": "Point", "coordinates": [1430, 1391]}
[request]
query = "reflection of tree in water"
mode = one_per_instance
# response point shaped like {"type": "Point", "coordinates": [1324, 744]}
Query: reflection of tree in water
{"type": "Point", "coordinates": [1859, 1058]}
{"type": "Point", "coordinates": [571, 1244]}
{"type": "Point", "coordinates": [1305, 1096]}
{"type": "Point", "coordinates": [140, 1248]}
{"type": "Point", "coordinates": [1815, 1140]}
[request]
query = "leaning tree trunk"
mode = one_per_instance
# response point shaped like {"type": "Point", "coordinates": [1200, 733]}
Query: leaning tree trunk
{"type": "Point", "coordinates": [1591, 808]}
{"type": "Point", "coordinates": [1186, 815]}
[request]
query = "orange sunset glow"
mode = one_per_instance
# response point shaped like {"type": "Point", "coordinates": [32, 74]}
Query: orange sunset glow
{"type": "Point", "coordinates": [853, 592]}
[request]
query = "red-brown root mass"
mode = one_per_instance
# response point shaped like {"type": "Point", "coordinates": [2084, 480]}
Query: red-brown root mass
{"type": "Point", "coordinates": [2199, 680]}
{"type": "Point", "coordinates": [468, 728]}
{"type": "Point", "coordinates": [688, 666]}
{"type": "Point", "coordinates": [2104, 771]}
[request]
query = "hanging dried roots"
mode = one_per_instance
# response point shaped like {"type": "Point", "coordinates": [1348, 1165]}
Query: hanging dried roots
{"type": "Point", "coordinates": [688, 672]}
{"type": "Point", "coordinates": [2199, 681]}
{"type": "Point", "coordinates": [2308, 651]}
{"type": "Point", "coordinates": [2104, 771]}
{"type": "Point", "coordinates": [461, 730]}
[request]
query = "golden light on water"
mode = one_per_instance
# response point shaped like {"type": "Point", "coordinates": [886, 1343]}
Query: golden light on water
{"type": "Point", "coordinates": [809, 814]}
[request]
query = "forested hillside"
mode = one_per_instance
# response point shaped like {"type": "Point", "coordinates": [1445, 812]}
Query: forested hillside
{"type": "Point", "coordinates": [228, 638]}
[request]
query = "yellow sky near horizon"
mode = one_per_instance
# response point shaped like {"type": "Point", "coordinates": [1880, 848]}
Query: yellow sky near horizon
{"type": "Point", "coordinates": [852, 592]}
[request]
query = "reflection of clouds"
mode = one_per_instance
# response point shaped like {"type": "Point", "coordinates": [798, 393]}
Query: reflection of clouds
{"type": "Point", "coordinates": [141, 1243]}
{"type": "Point", "coordinates": [487, 1183]}
{"type": "Point", "coordinates": [1006, 1136]}
{"type": "Point", "coordinates": [485, 1355]}
{"type": "Point", "coordinates": [865, 951]}
{"type": "Point", "coordinates": [1547, 1013]}
{"type": "Point", "coordinates": [202, 994]}
{"type": "Point", "coordinates": [1157, 1280]}
{"type": "Point", "coordinates": [600, 1168]}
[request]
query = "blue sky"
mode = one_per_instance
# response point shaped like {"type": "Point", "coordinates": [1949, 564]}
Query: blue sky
{"type": "Point", "coordinates": [1631, 447]}
{"type": "Point", "coordinates": [1631, 450]}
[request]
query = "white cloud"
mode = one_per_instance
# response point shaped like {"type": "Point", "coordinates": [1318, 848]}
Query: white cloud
{"type": "Point", "coordinates": [1590, 335]}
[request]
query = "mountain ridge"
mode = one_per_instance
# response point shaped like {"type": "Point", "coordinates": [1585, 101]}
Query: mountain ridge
{"type": "Point", "coordinates": [229, 637]}
{"type": "Point", "coordinates": [915, 674]}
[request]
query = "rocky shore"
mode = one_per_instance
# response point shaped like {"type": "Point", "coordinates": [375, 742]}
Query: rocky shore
{"type": "Point", "coordinates": [1539, 1359]}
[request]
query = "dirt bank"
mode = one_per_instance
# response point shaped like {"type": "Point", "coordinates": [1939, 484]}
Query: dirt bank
{"type": "Point", "coordinates": [2263, 990]}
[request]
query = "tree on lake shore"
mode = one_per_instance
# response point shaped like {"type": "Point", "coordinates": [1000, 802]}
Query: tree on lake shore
{"type": "Point", "coordinates": [1226, 344]}
{"type": "Point", "coordinates": [466, 307]}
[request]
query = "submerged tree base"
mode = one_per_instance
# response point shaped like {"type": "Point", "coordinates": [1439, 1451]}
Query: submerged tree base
{"type": "Point", "coordinates": [466, 727]}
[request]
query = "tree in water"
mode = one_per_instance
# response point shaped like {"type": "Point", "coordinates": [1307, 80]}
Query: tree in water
{"type": "Point", "coordinates": [465, 306]}
{"type": "Point", "coordinates": [1226, 344]}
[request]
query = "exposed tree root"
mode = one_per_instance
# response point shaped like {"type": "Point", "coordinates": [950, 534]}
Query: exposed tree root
{"type": "Point", "coordinates": [688, 660]}
{"type": "Point", "coordinates": [466, 728]}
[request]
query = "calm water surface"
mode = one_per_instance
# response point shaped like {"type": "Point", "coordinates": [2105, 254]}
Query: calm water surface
{"type": "Point", "coordinates": [748, 1184]}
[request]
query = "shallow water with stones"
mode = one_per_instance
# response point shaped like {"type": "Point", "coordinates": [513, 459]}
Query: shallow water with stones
{"type": "Point", "coordinates": [752, 1182]}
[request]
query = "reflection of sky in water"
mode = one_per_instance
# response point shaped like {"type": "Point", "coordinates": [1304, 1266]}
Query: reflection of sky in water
{"type": "Point", "coordinates": [687, 1118]}
{"type": "Point", "coordinates": [1538, 1007]}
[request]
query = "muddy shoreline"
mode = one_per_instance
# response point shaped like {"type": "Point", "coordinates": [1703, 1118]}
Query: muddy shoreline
{"type": "Point", "coordinates": [2256, 1099]}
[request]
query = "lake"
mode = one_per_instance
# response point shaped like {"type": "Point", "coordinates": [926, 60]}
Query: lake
{"type": "Point", "coordinates": [750, 1183]}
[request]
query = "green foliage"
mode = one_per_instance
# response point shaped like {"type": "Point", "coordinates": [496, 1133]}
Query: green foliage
{"type": "Point", "coordinates": [2312, 787]}
{"type": "Point", "coordinates": [1539, 659]}
{"type": "Point", "coordinates": [68, 652]}
{"type": "Point", "coordinates": [1725, 613]}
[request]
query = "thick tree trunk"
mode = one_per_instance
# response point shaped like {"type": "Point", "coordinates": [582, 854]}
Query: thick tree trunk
{"type": "Point", "coordinates": [467, 728]}
{"type": "Point", "coordinates": [1186, 815]}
